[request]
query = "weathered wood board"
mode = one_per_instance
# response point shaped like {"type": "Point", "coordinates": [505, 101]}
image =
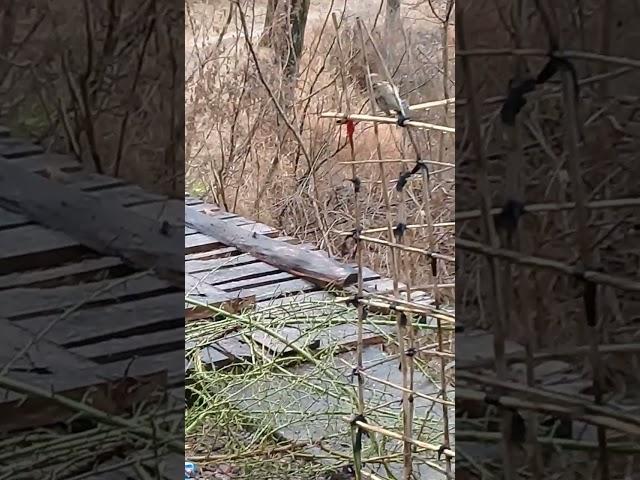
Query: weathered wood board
{"type": "Point", "coordinates": [303, 264]}
{"type": "Point", "coordinates": [51, 368]}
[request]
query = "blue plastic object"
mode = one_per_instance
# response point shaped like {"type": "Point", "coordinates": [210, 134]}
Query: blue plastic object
{"type": "Point", "coordinates": [190, 470]}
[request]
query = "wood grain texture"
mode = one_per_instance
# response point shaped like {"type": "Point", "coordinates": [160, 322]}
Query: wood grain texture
{"type": "Point", "coordinates": [301, 263]}
{"type": "Point", "coordinates": [20, 303]}
{"type": "Point", "coordinates": [104, 227]}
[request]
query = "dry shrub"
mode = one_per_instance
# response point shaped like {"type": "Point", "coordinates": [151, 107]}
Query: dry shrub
{"type": "Point", "coordinates": [73, 79]}
{"type": "Point", "coordinates": [241, 153]}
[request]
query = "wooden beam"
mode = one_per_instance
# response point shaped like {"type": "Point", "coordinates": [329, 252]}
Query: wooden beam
{"type": "Point", "coordinates": [102, 226]}
{"type": "Point", "coordinates": [312, 266]}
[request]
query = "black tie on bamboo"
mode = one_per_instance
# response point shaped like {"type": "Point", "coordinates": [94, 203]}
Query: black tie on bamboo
{"type": "Point", "coordinates": [516, 100]}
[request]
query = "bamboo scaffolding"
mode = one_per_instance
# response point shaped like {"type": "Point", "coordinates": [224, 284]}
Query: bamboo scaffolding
{"type": "Point", "coordinates": [404, 302]}
{"type": "Point", "coordinates": [601, 299]}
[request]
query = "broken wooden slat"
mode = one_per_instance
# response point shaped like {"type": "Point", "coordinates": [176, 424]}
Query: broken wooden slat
{"type": "Point", "coordinates": [212, 296]}
{"type": "Point", "coordinates": [202, 262]}
{"type": "Point", "coordinates": [212, 254]}
{"type": "Point", "coordinates": [218, 264]}
{"type": "Point", "coordinates": [107, 228]}
{"type": "Point", "coordinates": [299, 262]}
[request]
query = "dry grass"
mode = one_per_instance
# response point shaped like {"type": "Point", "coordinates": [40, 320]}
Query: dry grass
{"type": "Point", "coordinates": [103, 85]}
{"type": "Point", "coordinates": [241, 154]}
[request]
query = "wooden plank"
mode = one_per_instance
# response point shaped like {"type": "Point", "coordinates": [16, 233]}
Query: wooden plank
{"type": "Point", "coordinates": [199, 242]}
{"type": "Point", "coordinates": [306, 336]}
{"type": "Point", "coordinates": [253, 270]}
{"type": "Point", "coordinates": [275, 290]}
{"type": "Point", "coordinates": [104, 321]}
{"type": "Point", "coordinates": [170, 361]}
{"type": "Point", "coordinates": [106, 228]}
{"type": "Point", "coordinates": [24, 302]}
{"type": "Point", "coordinates": [43, 355]}
{"type": "Point", "coordinates": [213, 254]}
{"type": "Point", "coordinates": [310, 265]}
{"type": "Point", "coordinates": [91, 182]}
{"type": "Point", "coordinates": [54, 369]}
{"type": "Point", "coordinates": [196, 242]}
{"type": "Point", "coordinates": [218, 264]}
{"type": "Point", "coordinates": [32, 246]}
{"type": "Point", "coordinates": [272, 278]}
{"type": "Point", "coordinates": [128, 195]}
{"type": "Point", "coordinates": [233, 348]}
{"type": "Point", "coordinates": [10, 219]}
{"type": "Point", "coordinates": [213, 296]}
{"type": "Point", "coordinates": [292, 301]}
{"type": "Point", "coordinates": [93, 269]}
{"type": "Point", "coordinates": [208, 356]}
{"type": "Point", "coordinates": [293, 335]}
{"type": "Point", "coordinates": [15, 148]}
{"type": "Point", "coordinates": [44, 163]}
{"type": "Point", "coordinates": [115, 349]}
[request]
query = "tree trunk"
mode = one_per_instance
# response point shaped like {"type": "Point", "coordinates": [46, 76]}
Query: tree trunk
{"type": "Point", "coordinates": [298, 23]}
{"type": "Point", "coordinates": [266, 39]}
{"type": "Point", "coordinates": [392, 26]}
{"type": "Point", "coordinates": [393, 13]}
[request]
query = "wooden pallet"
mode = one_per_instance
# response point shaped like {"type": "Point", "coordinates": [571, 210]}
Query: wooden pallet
{"type": "Point", "coordinates": [108, 326]}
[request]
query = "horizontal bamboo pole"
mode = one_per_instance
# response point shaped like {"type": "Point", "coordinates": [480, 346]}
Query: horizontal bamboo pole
{"type": "Point", "coordinates": [428, 105]}
{"type": "Point", "coordinates": [398, 436]}
{"type": "Point", "coordinates": [389, 120]}
{"type": "Point", "coordinates": [535, 52]}
{"type": "Point", "coordinates": [395, 160]}
{"type": "Point", "coordinates": [554, 355]}
{"type": "Point", "coordinates": [393, 305]}
{"type": "Point", "coordinates": [557, 207]}
{"type": "Point", "coordinates": [386, 229]}
{"type": "Point", "coordinates": [579, 404]}
{"type": "Point", "coordinates": [517, 258]}
{"type": "Point", "coordinates": [563, 443]}
{"type": "Point", "coordinates": [415, 393]}
{"type": "Point", "coordinates": [407, 248]}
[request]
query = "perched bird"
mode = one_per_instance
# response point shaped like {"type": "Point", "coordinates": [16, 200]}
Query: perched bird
{"type": "Point", "coordinates": [388, 98]}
